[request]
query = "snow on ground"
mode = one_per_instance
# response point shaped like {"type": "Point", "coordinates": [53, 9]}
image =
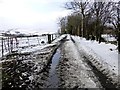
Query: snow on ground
{"type": "Point", "coordinates": [28, 44]}
{"type": "Point", "coordinates": [107, 52]}
{"type": "Point", "coordinates": [33, 44]}
{"type": "Point", "coordinates": [41, 46]}
{"type": "Point", "coordinates": [108, 37]}
{"type": "Point", "coordinates": [29, 70]}
{"type": "Point", "coordinates": [59, 38]}
{"type": "Point", "coordinates": [25, 42]}
{"type": "Point", "coordinates": [104, 56]}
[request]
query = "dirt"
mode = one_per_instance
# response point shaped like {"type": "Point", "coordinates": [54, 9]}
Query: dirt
{"type": "Point", "coordinates": [26, 71]}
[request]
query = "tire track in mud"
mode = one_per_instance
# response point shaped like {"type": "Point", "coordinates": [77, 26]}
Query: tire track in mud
{"type": "Point", "coordinates": [104, 80]}
{"type": "Point", "coordinates": [72, 74]}
{"type": "Point", "coordinates": [50, 70]}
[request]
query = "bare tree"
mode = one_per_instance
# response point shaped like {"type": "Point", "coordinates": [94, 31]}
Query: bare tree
{"type": "Point", "coordinates": [101, 13]}
{"type": "Point", "coordinates": [79, 6]}
{"type": "Point", "coordinates": [115, 20]}
{"type": "Point", "coordinates": [73, 24]}
{"type": "Point", "coordinates": [62, 24]}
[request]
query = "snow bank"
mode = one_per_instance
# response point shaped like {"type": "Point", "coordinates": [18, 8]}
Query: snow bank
{"type": "Point", "coordinates": [106, 53]}
{"type": "Point", "coordinates": [59, 38]}
{"type": "Point", "coordinates": [103, 56]}
{"type": "Point", "coordinates": [109, 37]}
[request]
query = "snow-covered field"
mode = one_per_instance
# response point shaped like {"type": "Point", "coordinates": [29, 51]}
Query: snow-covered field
{"type": "Point", "coordinates": [27, 44]}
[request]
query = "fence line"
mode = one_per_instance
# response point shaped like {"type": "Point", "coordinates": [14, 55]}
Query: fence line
{"type": "Point", "coordinates": [11, 43]}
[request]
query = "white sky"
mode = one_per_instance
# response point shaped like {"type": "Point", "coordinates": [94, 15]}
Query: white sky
{"type": "Point", "coordinates": [34, 15]}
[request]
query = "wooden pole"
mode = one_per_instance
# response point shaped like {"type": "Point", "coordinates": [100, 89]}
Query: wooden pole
{"type": "Point", "coordinates": [5, 44]}
{"type": "Point", "coordinates": [17, 43]}
{"type": "Point", "coordinates": [2, 48]}
{"type": "Point", "coordinates": [11, 44]}
{"type": "Point", "coordinates": [28, 41]}
{"type": "Point", "coordinates": [52, 36]}
{"type": "Point", "coordinates": [49, 38]}
{"type": "Point", "coordinates": [8, 45]}
{"type": "Point", "coordinates": [38, 41]}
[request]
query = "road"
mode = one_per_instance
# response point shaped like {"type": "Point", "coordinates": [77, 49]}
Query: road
{"type": "Point", "coordinates": [68, 67]}
{"type": "Point", "coordinates": [76, 71]}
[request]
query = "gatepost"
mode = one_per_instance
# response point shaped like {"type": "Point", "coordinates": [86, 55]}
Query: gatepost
{"type": "Point", "coordinates": [49, 38]}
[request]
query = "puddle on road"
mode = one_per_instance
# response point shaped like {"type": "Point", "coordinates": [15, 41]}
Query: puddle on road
{"type": "Point", "coordinates": [53, 79]}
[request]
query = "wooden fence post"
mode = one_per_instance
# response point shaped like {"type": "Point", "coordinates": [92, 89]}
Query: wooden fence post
{"type": "Point", "coordinates": [11, 44]}
{"type": "Point", "coordinates": [8, 42]}
{"type": "Point", "coordinates": [38, 40]}
{"type": "Point", "coordinates": [52, 37]}
{"type": "Point", "coordinates": [17, 43]}
{"type": "Point", "coordinates": [5, 44]}
{"type": "Point", "coordinates": [49, 38]}
{"type": "Point", "coordinates": [28, 41]}
{"type": "Point", "coordinates": [2, 47]}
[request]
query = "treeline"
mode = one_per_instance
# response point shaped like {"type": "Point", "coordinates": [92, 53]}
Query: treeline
{"type": "Point", "coordinates": [91, 19]}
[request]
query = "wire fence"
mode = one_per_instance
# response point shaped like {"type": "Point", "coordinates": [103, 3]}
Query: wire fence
{"type": "Point", "coordinates": [14, 43]}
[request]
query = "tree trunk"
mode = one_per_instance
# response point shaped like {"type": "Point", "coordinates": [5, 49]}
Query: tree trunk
{"type": "Point", "coordinates": [118, 11]}
{"type": "Point", "coordinates": [119, 42]}
{"type": "Point", "coordinates": [78, 31]}
{"type": "Point", "coordinates": [100, 33]}
{"type": "Point", "coordinates": [84, 27]}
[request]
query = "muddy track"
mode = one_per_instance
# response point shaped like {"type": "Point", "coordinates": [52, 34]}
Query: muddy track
{"type": "Point", "coordinates": [104, 80]}
{"type": "Point", "coordinates": [47, 72]}
{"type": "Point", "coordinates": [60, 43]}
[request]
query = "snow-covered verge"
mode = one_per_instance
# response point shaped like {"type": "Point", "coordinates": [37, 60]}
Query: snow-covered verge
{"type": "Point", "coordinates": [108, 37]}
{"type": "Point", "coordinates": [59, 38]}
{"type": "Point", "coordinates": [103, 56]}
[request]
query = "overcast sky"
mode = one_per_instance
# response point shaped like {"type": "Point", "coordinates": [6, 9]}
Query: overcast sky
{"type": "Point", "coordinates": [35, 15]}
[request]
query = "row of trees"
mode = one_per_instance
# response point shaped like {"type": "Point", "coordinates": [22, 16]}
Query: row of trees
{"type": "Point", "coordinates": [91, 18]}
